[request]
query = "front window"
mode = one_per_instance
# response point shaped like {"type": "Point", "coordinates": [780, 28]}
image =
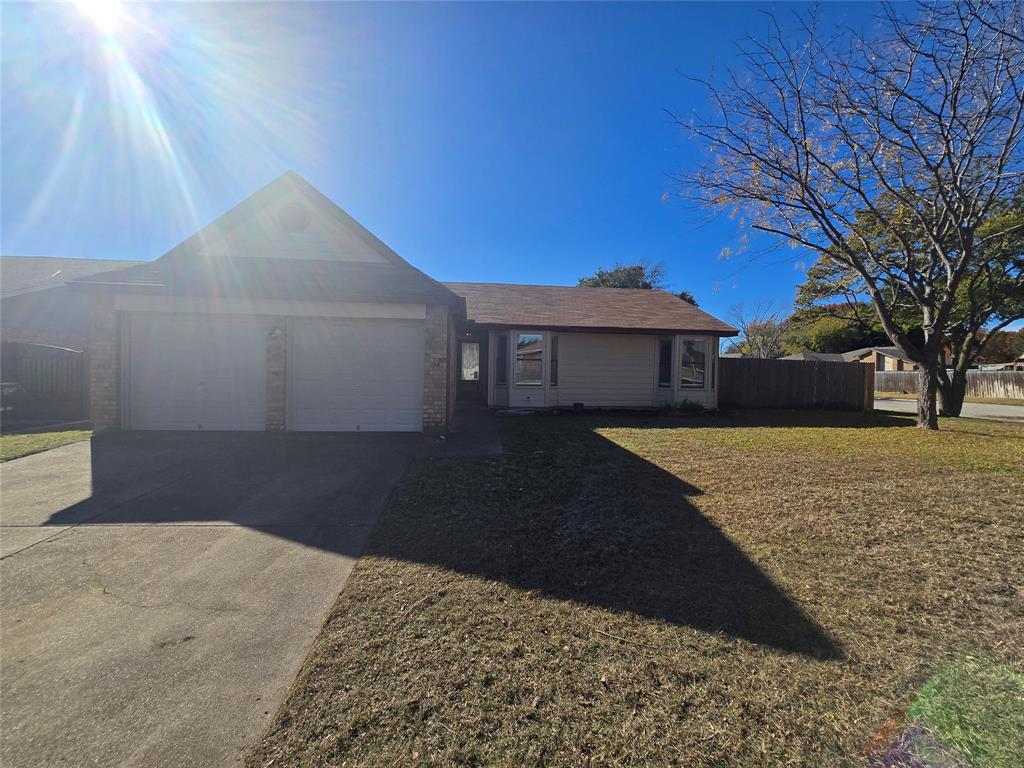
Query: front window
{"type": "Point", "coordinates": [529, 367]}
{"type": "Point", "coordinates": [665, 362]}
{"type": "Point", "coordinates": [501, 361]}
{"type": "Point", "coordinates": [693, 361]}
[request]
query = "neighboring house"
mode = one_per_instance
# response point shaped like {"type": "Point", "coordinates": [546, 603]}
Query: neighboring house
{"type": "Point", "coordinates": [883, 358]}
{"type": "Point", "coordinates": [44, 329]}
{"type": "Point", "coordinates": [286, 314]}
{"type": "Point", "coordinates": [36, 305]}
{"type": "Point", "coordinates": [1013, 365]}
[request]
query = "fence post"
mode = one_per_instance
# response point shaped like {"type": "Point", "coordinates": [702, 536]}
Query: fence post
{"type": "Point", "coordinates": [869, 387]}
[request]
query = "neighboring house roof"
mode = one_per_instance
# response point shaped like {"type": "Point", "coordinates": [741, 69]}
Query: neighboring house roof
{"type": "Point", "coordinates": [830, 357]}
{"type": "Point", "coordinates": [860, 354]}
{"type": "Point", "coordinates": [26, 274]}
{"type": "Point", "coordinates": [562, 307]}
{"type": "Point", "coordinates": [286, 241]}
{"type": "Point", "coordinates": [852, 356]}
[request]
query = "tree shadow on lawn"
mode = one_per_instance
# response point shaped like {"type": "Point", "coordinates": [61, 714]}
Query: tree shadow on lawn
{"type": "Point", "coordinates": [565, 511]}
{"type": "Point", "coordinates": [577, 517]}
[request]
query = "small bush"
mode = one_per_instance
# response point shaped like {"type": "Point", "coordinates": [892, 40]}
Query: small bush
{"type": "Point", "coordinates": [686, 407]}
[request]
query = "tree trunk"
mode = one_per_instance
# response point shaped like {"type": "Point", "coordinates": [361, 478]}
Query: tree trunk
{"type": "Point", "coordinates": [952, 393]}
{"type": "Point", "coordinates": [928, 377]}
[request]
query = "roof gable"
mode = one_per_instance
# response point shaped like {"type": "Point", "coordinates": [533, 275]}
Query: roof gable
{"type": "Point", "coordinates": [287, 241]}
{"type": "Point", "coordinates": [287, 219]}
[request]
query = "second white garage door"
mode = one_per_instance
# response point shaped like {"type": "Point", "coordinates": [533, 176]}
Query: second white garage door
{"type": "Point", "coordinates": [346, 375]}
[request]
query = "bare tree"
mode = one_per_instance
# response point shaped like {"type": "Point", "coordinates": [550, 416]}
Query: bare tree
{"type": "Point", "coordinates": [919, 129]}
{"type": "Point", "coordinates": [761, 329]}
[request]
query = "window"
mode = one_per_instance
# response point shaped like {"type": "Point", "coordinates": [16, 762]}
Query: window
{"type": "Point", "coordinates": [501, 361]}
{"type": "Point", "coordinates": [554, 361]}
{"type": "Point", "coordinates": [529, 368]}
{"type": "Point", "coordinates": [470, 361]}
{"type": "Point", "coordinates": [693, 360]}
{"type": "Point", "coordinates": [665, 362]}
{"type": "Point", "coordinates": [879, 362]}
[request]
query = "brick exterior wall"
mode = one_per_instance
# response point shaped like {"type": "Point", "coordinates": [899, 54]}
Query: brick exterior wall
{"type": "Point", "coordinates": [104, 369]}
{"type": "Point", "coordinates": [435, 372]}
{"type": "Point", "coordinates": [277, 364]}
{"type": "Point", "coordinates": [104, 364]}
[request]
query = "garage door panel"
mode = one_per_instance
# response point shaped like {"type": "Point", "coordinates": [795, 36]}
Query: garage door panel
{"type": "Point", "coordinates": [355, 375]}
{"type": "Point", "coordinates": [197, 372]}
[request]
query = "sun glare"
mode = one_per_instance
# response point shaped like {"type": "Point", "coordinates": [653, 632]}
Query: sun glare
{"type": "Point", "coordinates": [105, 14]}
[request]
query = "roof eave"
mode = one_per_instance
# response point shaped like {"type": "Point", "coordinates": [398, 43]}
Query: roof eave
{"type": "Point", "coordinates": [608, 329]}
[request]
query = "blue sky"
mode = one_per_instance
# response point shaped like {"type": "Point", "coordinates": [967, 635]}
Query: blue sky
{"type": "Point", "coordinates": [498, 142]}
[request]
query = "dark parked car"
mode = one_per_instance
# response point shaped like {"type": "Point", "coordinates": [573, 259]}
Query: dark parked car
{"type": "Point", "coordinates": [11, 393]}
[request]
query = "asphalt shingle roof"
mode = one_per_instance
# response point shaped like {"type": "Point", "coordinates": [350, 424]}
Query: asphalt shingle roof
{"type": "Point", "coordinates": [268, 278]}
{"type": "Point", "coordinates": [24, 274]}
{"type": "Point", "coordinates": [555, 306]}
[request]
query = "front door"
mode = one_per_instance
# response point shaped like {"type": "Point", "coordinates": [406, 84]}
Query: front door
{"type": "Point", "coordinates": [469, 370]}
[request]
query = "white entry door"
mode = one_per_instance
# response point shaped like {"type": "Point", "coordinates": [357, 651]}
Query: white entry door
{"type": "Point", "coordinates": [348, 375]}
{"type": "Point", "coordinates": [196, 372]}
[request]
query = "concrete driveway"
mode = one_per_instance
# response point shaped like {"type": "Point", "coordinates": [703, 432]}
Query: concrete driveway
{"type": "Point", "coordinates": [970, 410]}
{"type": "Point", "coordinates": [160, 591]}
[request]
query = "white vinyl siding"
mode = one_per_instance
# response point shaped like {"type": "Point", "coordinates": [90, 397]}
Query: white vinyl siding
{"type": "Point", "coordinates": [605, 370]}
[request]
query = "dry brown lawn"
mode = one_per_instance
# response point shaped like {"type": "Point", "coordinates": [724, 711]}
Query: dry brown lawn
{"type": "Point", "coordinates": [766, 589]}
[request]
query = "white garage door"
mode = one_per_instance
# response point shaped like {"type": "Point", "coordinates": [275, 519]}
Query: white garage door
{"type": "Point", "coordinates": [196, 372]}
{"type": "Point", "coordinates": [355, 375]}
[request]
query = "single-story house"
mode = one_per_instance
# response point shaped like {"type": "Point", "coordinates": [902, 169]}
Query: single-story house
{"type": "Point", "coordinates": [883, 358]}
{"type": "Point", "coordinates": [286, 314]}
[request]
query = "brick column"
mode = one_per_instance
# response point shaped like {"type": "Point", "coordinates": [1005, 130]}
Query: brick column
{"type": "Point", "coordinates": [435, 371]}
{"type": "Point", "coordinates": [104, 360]}
{"type": "Point", "coordinates": [277, 369]}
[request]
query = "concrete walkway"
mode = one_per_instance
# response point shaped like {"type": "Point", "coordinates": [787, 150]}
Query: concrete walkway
{"type": "Point", "coordinates": [160, 591]}
{"type": "Point", "coordinates": [970, 410]}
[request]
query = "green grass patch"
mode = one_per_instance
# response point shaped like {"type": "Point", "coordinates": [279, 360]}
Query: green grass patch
{"type": "Point", "coordinates": [16, 446]}
{"type": "Point", "coordinates": [976, 705]}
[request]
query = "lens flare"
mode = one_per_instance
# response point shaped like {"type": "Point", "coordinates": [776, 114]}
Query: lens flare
{"type": "Point", "coordinates": [105, 14]}
{"type": "Point", "coordinates": [155, 110]}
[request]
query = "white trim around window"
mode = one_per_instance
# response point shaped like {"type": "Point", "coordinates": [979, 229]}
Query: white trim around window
{"type": "Point", "coordinates": [528, 359]}
{"type": "Point", "coordinates": [694, 363]}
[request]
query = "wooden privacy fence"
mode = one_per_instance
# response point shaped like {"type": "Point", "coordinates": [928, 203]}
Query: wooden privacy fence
{"type": "Point", "coordinates": [979, 383]}
{"type": "Point", "coordinates": [752, 383]}
{"type": "Point", "coordinates": [52, 378]}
